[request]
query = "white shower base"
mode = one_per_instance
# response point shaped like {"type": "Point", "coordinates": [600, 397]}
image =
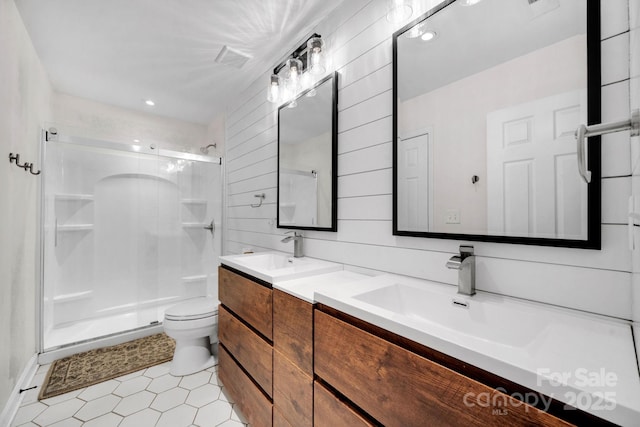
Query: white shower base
{"type": "Point", "coordinates": [89, 329]}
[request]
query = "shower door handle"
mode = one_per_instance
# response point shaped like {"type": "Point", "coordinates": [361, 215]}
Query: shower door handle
{"type": "Point", "coordinates": [211, 227]}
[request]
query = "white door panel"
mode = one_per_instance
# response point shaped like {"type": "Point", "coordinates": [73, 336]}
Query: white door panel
{"type": "Point", "coordinates": [533, 186]}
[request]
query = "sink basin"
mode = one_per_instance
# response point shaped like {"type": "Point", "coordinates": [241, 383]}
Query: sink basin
{"type": "Point", "coordinates": [442, 307]}
{"type": "Point", "coordinates": [530, 343]}
{"type": "Point", "coordinates": [274, 267]}
{"type": "Point", "coordinates": [268, 261]}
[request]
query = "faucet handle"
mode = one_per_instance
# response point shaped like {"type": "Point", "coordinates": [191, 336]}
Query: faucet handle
{"type": "Point", "coordinates": [295, 233]}
{"type": "Point", "coordinates": [455, 262]}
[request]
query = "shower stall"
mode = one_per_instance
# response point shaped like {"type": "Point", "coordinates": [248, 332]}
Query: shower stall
{"type": "Point", "coordinates": [127, 230]}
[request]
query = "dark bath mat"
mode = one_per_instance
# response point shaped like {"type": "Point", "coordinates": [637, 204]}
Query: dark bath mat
{"type": "Point", "coordinates": [94, 366]}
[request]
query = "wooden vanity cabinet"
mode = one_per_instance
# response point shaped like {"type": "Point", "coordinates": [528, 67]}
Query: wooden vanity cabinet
{"type": "Point", "coordinates": [398, 387]}
{"type": "Point", "coordinates": [330, 411]}
{"type": "Point", "coordinates": [245, 325]}
{"type": "Point", "coordinates": [292, 360]}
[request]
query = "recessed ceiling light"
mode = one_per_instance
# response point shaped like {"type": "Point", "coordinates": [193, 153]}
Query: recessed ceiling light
{"type": "Point", "coordinates": [469, 2]}
{"type": "Point", "coordinates": [150, 103]}
{"type": "Point", "coordinates": [136, 140]}
{"type": "Point", "coordinates": [429, 35]}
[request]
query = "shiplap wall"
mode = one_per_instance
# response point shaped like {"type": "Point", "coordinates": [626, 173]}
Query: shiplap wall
{"type": "Point", "coordinates": [359, 39]}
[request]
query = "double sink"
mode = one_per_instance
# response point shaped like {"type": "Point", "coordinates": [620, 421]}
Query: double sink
{"type": "Point", "coordinates": [529, 343]}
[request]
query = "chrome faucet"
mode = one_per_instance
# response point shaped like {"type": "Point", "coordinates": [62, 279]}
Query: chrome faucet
{"type": "Point", "coordinates": [465, 263]}
{"type": "Point", "coordinates": [297, 243]}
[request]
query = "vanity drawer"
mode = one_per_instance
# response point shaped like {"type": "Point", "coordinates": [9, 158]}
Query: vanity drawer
{"type": "Point", "coordinates": [292, 391]}
{"type": "Point", "coordinates": [248, 299]}
{"type": "Point", "coordinates": [329, 411]}
{"type": "Point", "coordinates": [249, 349]}
{"type": "Point", "coordinates": [278, 419]}
{"type": "Point", "coordinates": [293, 329]}
{"type": "Point", "coordinates": [400, 388]}
{"type": "Point", "coordinates": [253, 404]}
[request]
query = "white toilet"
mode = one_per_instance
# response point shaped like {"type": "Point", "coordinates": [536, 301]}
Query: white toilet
{"type": "Point", "coordinates": [193, 324]}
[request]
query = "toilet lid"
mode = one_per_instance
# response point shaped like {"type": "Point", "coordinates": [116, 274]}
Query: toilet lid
{"type": "Point", "coordinates": [196, 308]}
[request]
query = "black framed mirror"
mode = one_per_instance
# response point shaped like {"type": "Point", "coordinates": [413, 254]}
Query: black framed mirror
{"type": "Point", "coordinates": [487, 98]}
{"type": "Point", "coordinates": [307, 158]}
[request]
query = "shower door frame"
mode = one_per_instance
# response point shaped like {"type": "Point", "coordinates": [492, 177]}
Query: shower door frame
{"type": "Point", "coordinates": [51, 135]}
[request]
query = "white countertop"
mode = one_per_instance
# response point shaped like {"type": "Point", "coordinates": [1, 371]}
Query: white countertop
{"type": "Point", "coordinates": [306, 287]}
{"type": "Point", "coordinates": [273, 267]}
{"type": "Point", "coordinates": [583, 360]}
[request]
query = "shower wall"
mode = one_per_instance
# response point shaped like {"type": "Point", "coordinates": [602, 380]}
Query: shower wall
{"type": "Point", "coordinates": [124, 236]}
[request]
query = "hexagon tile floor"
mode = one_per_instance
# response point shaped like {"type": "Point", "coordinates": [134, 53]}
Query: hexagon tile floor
{"type": "Point", "coordinates": [147, 398]}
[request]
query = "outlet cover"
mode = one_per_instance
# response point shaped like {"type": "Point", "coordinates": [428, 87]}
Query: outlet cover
{"type": "Point", "coordinates": [452, 216]}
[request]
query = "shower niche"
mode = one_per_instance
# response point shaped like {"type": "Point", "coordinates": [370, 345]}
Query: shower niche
{"type": "Point", "coordinates": [127, 232]}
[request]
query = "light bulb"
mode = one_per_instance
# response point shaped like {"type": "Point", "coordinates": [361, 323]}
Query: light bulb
{"type": "Point", "coordinates": [315, 49]}
{"type": "Point", "coordinates": [273, 91]}
{"type": "Point", "coordinates": [292, 80]}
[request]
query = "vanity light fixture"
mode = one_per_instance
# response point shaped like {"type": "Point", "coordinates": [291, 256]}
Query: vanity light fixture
{"type": "Point", "coordinates": [273, 93]}
{"type": "Point", "coordinates": [315, 51]}
{"type": "Point", "coordinates": [295, 73]}
{"type": "Point", "coordinates": [399, 11]}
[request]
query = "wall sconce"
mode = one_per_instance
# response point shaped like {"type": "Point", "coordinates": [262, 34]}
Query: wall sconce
{"type": "Point", "coordinates": [308, 59]}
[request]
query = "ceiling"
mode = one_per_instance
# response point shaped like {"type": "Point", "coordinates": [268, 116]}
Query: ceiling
{"type": "Point", "coordinates": [123, 52]}
{"type": "Point", "coordinates": [475, 38]}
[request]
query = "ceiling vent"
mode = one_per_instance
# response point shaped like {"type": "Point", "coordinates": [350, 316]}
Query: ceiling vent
{"type": "Point", "coordinates": [232, 57]}
{"type": "Point", "coordinates": [540, 7]}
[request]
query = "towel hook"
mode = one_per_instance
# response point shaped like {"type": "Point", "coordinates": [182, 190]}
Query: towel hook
{"type": "Point", "coordinates": [261, 196]}
{"type": "Point", "coordinates": [15, 158]}
{"type": "Point", "coordinates": [31, 169]}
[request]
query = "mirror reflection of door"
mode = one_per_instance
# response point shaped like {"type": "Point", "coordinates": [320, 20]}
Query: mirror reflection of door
{"type": "Point", "coordinates": [414, 181]}
{"type": "Point", "coordinates": [533, 186]}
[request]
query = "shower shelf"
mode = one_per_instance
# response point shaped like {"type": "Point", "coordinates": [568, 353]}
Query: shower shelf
{"type": "Point", "coordinates": [197, 278]}
{"type": "Point", "coordinates": [74, 197]}
{"type": "Point", "coordinates": [75, 227]}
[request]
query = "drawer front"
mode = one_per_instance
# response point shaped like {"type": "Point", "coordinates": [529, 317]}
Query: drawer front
{"type": "Point", "coordinates": [400, 388]}
{"type": "Point", "coordinates": [293, 329]}
{"type": "Point", "coordinates": [253, 404]}
{"type": "Point", "coordinates": [248, 348]}
{"type": "Point", "coordinates": [278, 419]}
{"type": "Point", "coordinates": [329, 411]}
{"type": "Point", "coordinates": [248, 299]}
{"type": "Point", "coordinates": [292, 391]}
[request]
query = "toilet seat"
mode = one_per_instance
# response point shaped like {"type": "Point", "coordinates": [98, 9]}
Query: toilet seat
{"type": "Point", "coordinates": [193, 309]}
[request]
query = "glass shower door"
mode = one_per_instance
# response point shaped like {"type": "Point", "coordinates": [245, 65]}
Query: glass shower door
{"type": "Point", "coordinates": [124, 236]}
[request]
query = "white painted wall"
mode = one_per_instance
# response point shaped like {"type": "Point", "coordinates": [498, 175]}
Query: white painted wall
{"type": "Point", "coordinates": [24, 104]}
{"type": "Point", "coordinates": [83, 117]}
{"type": "Point", "coordinates": [359, 38]}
